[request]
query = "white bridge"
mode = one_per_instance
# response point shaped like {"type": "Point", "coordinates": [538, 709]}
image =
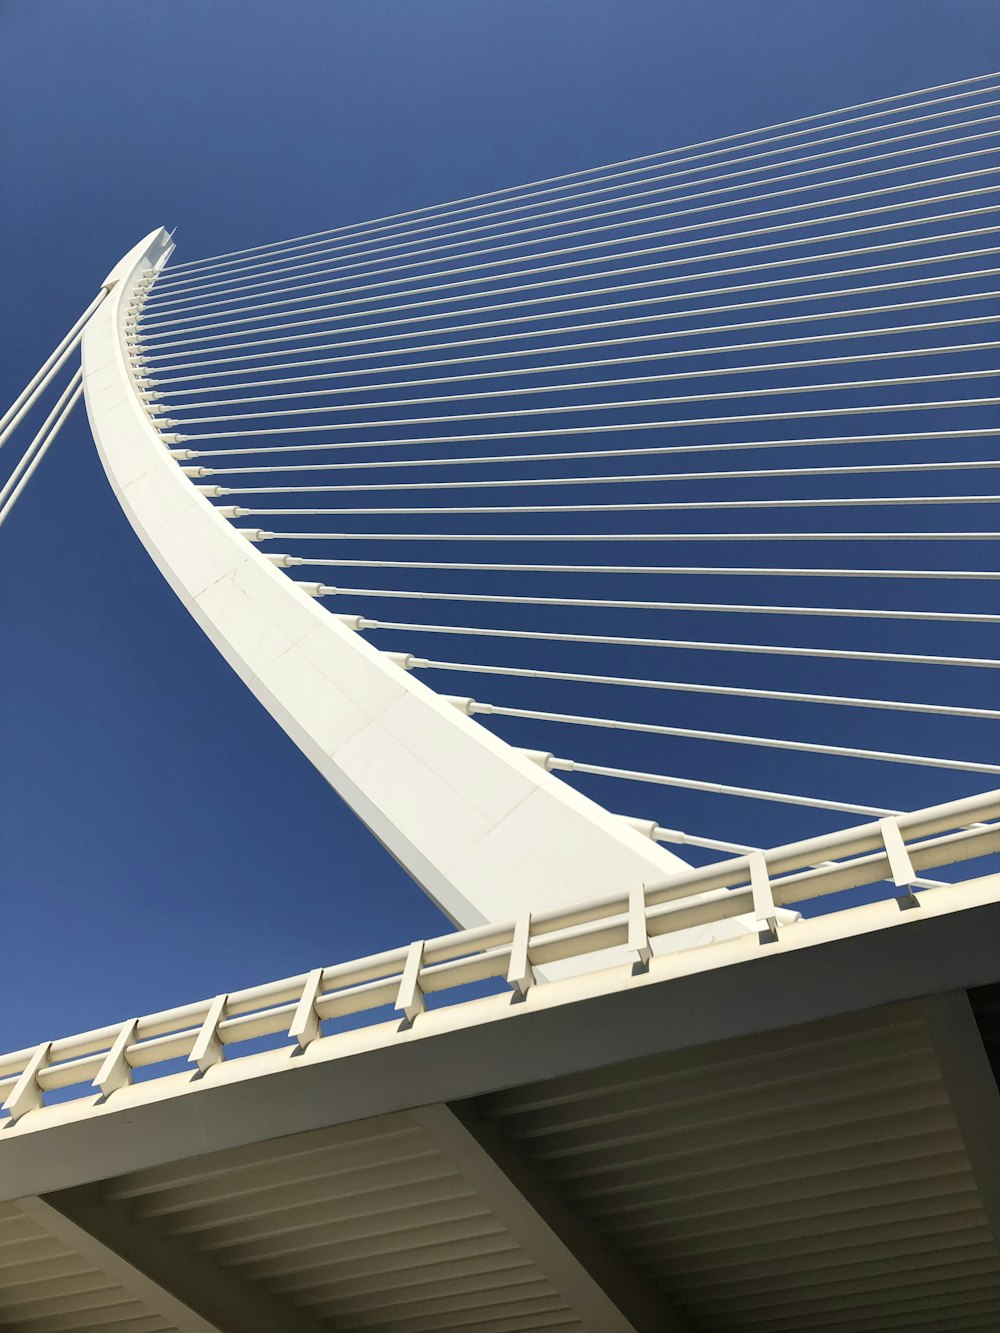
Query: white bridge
{"type": "Point", "coordinates": [648, 1083]}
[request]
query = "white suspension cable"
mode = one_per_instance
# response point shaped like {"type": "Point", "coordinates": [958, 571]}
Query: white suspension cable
{"type": "Point", "coordinates": [40, 446]}
{"type": "Point", "coordinates": [721, 570]}
{"type": "Point", "coordinates": [46, 372]}
{"type": "Point", "coordinates": [155, 351]}
{"type": "Point", "coordinates": [643, 478]}
{"type": "Point", "coordinates": [418, 258]}
{"type": "Point", "coordinates": [412, 663]}
{"type": "Point", "coordinates": [171, 303]}
{"type": "Point", "coordinates": [499, 599]}
{"type": "Point", "coordinates": [446, 312]}
{"type": "Point", "coordinates": [637, 451]}
{"type": "Point", "coordinates": [554, 764]}
{"type": "Point", "coordinates": [230, 280]}
{"type": "Point", "coordinates": [155, 356]}
{"type": "Point", "coordinates": [821, 502]}
{"type": "Point", "coordinates": [843, 335]}
{"type": "Point", "coordinates": [474, 202]}
{"type": "Point", "coordinates": [756, 368]}
{"type": "Point", "coordinates": [690, 840]}
{"type": "Point", "coordinates": [153, 332]}
{"type": "Point", "coordinates": [936, 406]}
{"type": "Point", "coordinates": [790, 300]}
{"type": "Point", "coordinates": [235, 511]}
{"type": "Point", "coordinates": [629, 404]}
{"type": "Point", "coordinates": [622, 321]}
{"type": "Point", "coordinates": [473, 707]}
{"type": "Point", "coordinates": [39, 439]}
{"type": "Point", "coordinates": [630, 641]}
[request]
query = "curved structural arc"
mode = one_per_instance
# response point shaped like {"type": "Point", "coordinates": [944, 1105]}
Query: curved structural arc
{"type": "Point", "coordinates": [485, 831]}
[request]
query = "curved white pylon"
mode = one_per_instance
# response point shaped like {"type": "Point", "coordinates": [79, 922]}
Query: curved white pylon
{"type": "Point", "coordinates": [487, 832]}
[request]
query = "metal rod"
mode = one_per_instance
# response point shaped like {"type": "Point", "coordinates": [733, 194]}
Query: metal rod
{"type": "Point", "coordinates": [180, 384]}
{"type": "Point", "coordinates": [155, 357]}
{"type": "Point", "coordinates": [802, 363]}
{"type": "Point", "coordinates": [631, 641]}
{"type": "Point", "coordinates": [41, 444]}
{"type": "Point", "coordinates": [44, 375]}
{"type": "Point", "coordinates": [685, 687]}
{"type": "Point", "coordinates": [159, 312]}
{"type": "Point", "coordinates": [558, 182]}
{"type": "Point", "coordinates": [729, 608]}
{"type": "Point", "coordinates": [474, 707]}
{"type": "Point", "coordinates": [151, 336]}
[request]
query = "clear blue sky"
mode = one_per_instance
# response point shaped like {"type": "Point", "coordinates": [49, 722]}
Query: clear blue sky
{"type": "Point", "coordinates": [160, 839]}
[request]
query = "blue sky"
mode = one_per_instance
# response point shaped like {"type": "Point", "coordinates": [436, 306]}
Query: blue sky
{"type": "Point", "coordinates": [160, 839]}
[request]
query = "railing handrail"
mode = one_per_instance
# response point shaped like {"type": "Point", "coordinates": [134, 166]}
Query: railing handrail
{"type": "Point", "coordinates": [757, 884]}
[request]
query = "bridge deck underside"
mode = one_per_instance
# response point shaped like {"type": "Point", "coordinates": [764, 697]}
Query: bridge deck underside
{"type": "Point", "coordinates": [821, 1176]}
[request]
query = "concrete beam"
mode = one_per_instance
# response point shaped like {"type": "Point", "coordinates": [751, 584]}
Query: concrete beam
{"type": "Point", "coordinates": [596, 1282]}
{"type": "Point", "coordinates": [972, 1091]}
{"type": "Point", "coordinates": [841, 963]}
{"type": "Point", "coordinates": [190, 1293]}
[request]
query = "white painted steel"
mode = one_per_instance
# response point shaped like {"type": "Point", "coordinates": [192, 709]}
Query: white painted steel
{"type": "Point", "coordinates": [896, 354]}
{"type": "Point", "coordinates": [672, 231]}
{"type": "Point", "coordinates": [834, 501]}
{"type": "Point", "coordinates": [237, 511]}
{"type": "Point", "coordinates": [892, 381]}
{"type": "Point", "coordinates": [396, 321]}
{"type": "Point", "coordinates": [24, 470]}
{"type": "Point", "coordinates": [480, 827]}
{"type": "Point", "coordinates": [413, 663]}
{"type": "Point", "coordinates": [496, 839]}
{"type": "Point", "coordinates": [472, 707]}
{"type": "Point", "coordinates": [413, 278]}
{"type": "Point", "coordinates": [652, 337]}
{"type": "Point", "coordinates": [174, 320]}
{"type": "Point", "coordinates": [230, 280]}
{"type": "Point", "coordinates": [583, 328]}
{"type": "Point", "coordinates": [635, 452]}
{"type": "Point", "coordinates": [894, 847]}
{"type": "Point", "coordinates": [636, 478]}
{"type": "Point", "coordinates": [732, 608]}
{"type": "Point", "coordinates": [43, 377]}
{"type": "Point", "coordinates": [556, 764]}
{"type": "Point", "coordinates": [554, 183]}
{"type": "Point", "coordinates": [360, 623]}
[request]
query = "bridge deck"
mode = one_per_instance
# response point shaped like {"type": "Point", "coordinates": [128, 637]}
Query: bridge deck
{"type": "Point", "coordinates": [793, 1135]}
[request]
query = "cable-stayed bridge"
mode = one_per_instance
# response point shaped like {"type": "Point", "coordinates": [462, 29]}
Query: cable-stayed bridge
{"type": "Point", "coordinates": [621, 549]}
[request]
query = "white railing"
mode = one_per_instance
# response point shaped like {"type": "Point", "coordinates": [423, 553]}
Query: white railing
{"type": "Point", "coordinates": [757, 884]}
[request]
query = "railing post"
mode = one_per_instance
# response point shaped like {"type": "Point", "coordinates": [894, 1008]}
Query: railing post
{"type": "Point", "coordinates": [116, 1072]}
{"type": "Point", "coordinates": [410, 1000]}
{"type": "Point", "coordinates": [305, 1027]}
{"type": "Point", "coordinates": [207, 1048]}
{"type": "Point", "coordinates": [638, 930]}
{"type": "Point", "coordinates": [764, 910]}
{"type": "Point", "coordinates": [26, 1094]}
{"type": "Point", "coordinates": [900, 865]}
{"type": "Point", "coordinates": [520, 973]}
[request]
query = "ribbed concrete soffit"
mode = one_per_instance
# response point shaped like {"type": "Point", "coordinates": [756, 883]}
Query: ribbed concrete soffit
{"type": "Point", "coordinates": [824, 1178]}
